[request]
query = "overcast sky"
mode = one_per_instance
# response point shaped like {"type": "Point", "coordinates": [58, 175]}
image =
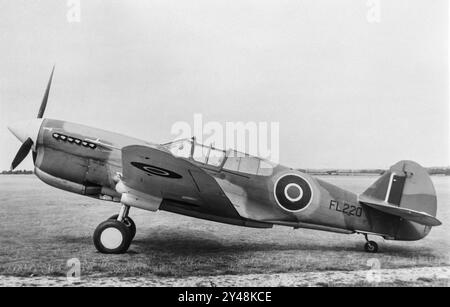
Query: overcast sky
{"type": "Point", "coordinates": [348, 93]}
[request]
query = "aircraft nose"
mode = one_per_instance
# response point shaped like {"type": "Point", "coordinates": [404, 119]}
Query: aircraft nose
{"type": "Point", "coordinates": [26, 129]}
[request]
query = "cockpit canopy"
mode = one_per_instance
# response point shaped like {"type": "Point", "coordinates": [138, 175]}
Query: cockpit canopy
{"type": "Point", "coordinates": [209, 156]}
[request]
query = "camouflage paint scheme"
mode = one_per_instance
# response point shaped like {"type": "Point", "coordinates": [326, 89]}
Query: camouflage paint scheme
{"type": "Point", "coordinates": [118, 168]}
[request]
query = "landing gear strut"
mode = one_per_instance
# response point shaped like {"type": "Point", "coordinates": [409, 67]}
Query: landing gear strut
{"type": "Point", "coordinates": [370, 246]}
{"type": "Point", "coordinates": [114, 235]}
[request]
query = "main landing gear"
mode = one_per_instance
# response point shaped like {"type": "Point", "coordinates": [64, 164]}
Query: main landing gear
{"type": "Point", "coordinates": [370, 246]}
{"type": "Point", "coordinates": [114, 235]}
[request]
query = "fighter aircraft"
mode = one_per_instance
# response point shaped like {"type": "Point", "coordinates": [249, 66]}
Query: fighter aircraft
{"type": "Point", "coordinates": [200, 181]}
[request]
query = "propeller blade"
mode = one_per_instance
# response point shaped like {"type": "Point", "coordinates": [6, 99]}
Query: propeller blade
{"type": "Point", "coordinates": [44, 100]}
{"type": "Point", "coordinates": [22, 153]}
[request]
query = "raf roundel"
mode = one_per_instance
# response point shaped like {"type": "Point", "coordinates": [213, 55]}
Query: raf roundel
{"type": "Point", "coordinates": [157, 171]}
{"type": "Point", "coordinates": [292, 192]}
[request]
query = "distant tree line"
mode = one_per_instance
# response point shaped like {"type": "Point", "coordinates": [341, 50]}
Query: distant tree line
{"type": "Point", "coordinates": [431, 170]}
{"type": "Point", "coordinates": [439, 171]}
{"type": "Point", "coordinates": [343, 171]}
{"type": "Point", "coordinates": [17, 172]}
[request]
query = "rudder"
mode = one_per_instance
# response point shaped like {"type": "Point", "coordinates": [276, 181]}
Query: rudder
{"type": "Point", "coordinates": [407, 187]}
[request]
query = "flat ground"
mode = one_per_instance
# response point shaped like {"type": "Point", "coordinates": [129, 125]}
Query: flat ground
{"type": "Point", "coordinates": [42, 227]}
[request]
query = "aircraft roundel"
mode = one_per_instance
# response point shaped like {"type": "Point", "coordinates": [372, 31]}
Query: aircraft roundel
{"type": "Point", "coordinates": [292, 192]}
{"type": "Point", "coordinates": [154, 170]}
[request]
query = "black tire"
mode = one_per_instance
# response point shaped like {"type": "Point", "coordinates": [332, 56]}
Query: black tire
{"type": "Point", "coordinates": [371, 247]}
{"type": "Point", "coordinates": [112, 237]}
{"type": "Point", "coordinates": [128, 222]}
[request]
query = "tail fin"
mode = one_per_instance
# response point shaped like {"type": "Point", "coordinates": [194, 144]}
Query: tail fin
{"type": "Point", "coordinates": [405, 190]}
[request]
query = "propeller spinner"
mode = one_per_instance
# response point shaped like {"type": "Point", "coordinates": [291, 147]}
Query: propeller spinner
{"type": "Point", "coordinates": [27, 131]}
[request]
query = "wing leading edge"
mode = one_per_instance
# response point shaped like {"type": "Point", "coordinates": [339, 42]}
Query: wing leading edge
{"type": "Point", "coordinates": [153, 177]}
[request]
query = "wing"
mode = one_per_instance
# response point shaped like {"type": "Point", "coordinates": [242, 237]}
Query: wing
{"type": "Point", "coordinates": [155, 175]}
{"type": "Point", "coordinates": [408, 214]}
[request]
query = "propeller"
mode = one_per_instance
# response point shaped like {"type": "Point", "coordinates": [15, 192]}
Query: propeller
{"type": "Point", "coordinates": [22, 153]}
{"type": "Point", "coordinates": [47, 91]}
{"type": "Point", "coordinates": [27, 145]}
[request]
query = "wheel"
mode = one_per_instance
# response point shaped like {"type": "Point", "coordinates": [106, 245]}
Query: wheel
{"type": "Point", "coordinates": [112, 237]}
{"type": "Point", "coordinates": [128, 222]}
{"type": "Point", "coordinates": [371, 247]}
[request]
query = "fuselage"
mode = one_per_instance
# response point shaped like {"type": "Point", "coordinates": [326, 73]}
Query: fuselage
{"type": "Point", "coordinates": [88, 161]}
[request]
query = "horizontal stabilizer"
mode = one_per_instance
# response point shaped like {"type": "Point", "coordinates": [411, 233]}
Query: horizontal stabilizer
{"type": "Point", "coordinates": [422, 218]}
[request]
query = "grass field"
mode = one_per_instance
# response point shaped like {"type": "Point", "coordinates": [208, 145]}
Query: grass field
{"type": "Point", "coordinates": [42, 227]}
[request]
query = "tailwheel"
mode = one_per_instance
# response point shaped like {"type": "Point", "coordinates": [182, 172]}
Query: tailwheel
{"type": "Point", "coordinates": [112, 237]}
{"type": "Point", "coordinates": [371, 247]}
{"type": "Point", "coordinates": [128, 222]}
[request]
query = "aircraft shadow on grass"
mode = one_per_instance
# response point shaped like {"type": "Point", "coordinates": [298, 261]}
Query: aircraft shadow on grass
{"type": "Point", "coordinates": [196, 243]}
